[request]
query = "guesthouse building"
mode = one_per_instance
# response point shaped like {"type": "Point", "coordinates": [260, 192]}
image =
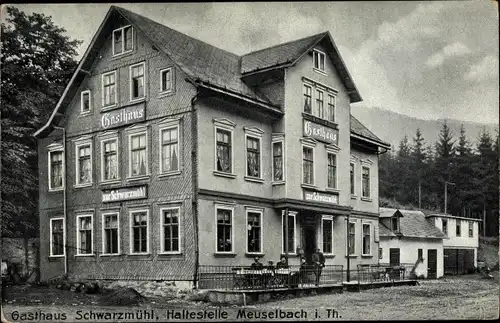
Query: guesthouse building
{"type": "Point", "coordinates": [165, 154]}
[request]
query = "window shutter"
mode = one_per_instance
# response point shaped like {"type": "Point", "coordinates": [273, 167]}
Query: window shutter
{"type": "Point", "coordinates": [376, 233]}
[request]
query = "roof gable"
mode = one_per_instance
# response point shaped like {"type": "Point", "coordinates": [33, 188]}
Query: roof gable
{"type": "Point", "coordinates": [412, 224]}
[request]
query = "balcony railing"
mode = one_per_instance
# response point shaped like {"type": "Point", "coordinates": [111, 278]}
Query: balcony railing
{"type": "Point", "coordinates": [382, 272]}
{"type": "Point", "coordinates": [246, 278]}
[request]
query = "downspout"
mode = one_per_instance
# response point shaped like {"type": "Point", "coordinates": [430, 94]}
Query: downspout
{"type": "Point", "coordinates": [64, 202]}
{"type": "Point", "coordinates": [194, 176]}
{"type": "Point", "coordinates": [348, 273]}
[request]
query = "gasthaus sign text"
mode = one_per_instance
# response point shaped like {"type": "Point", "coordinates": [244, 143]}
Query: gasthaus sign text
{"type": "Point", "coordinates": [125, 194]}
{"type": "Point", "coordinates": [124, 116]}
{"type": "Point", "coordinates": [320, 132]}
{"type": "Point", "coordinates": [321, 197]}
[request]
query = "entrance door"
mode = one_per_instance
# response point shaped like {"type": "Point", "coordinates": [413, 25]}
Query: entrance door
{"type": "Point", "coordinates": [432, 263]}
{"type": "Point", "coordinates": [309, 242]}
{"type": "Point", "coordinates": [394, 256]}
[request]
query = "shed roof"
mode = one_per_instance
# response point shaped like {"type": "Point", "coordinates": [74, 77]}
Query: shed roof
{"type": "Point", "coordinates": [413, 224]}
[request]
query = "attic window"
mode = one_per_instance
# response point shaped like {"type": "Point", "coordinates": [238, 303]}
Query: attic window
{"type": "Point", "coordinates": [319, 60]}
{"type": "Point", "coordinates": [122, 40]}
{"type": "Point", "coordinates": [85, 101]}
{"type": "Point", "coordinates": [395, 224]}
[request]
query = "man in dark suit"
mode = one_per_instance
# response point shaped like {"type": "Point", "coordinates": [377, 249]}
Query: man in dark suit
{"type": "Point", "coordinates": [318, 260]}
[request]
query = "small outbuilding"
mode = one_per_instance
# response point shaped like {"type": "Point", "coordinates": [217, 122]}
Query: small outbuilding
{"type": "Point", "coordinates": [408, 237]}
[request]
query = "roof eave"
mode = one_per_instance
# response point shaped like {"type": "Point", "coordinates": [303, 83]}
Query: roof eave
{"type": "Point", "coordinates": [375, 142]}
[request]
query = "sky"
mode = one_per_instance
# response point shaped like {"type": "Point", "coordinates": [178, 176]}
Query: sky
{"type": "Point", "coordinates": [430, 60]}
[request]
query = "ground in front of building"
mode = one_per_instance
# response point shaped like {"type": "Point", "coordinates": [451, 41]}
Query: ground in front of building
{"type": "Point", "coordinates": [459, 297]}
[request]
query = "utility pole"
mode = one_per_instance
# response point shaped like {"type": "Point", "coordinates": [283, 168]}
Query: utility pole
{"type": "Point", "coordinates": [484, 216]}
{"type": "Point", "coordinates": [446, 195]}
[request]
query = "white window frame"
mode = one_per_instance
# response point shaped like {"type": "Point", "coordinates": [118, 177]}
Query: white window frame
{"type": "Point", "coordinates": [369, 182]}
{"type": "Point", "coordinates": [225, 125]}
{"type": "Point", "coordinates": [316, 99]}
{"type": "Point", "coordinates": [471, 229]}
{"type": "Point", "coordinates": [313, 147]}
{"type": "Point", "coordinates": [103, 141]}
{"type": "Point", "coordinates": [79, 143]}
{"type": "Point", "coordinates": [133, 133]}
{"type": "Point", "coordinates": [458, 225]}
{"type": "Point", "coordinates": [162, 231]}
{"type": "Point", "coordinates": [140, 98]}
{"type": "Point", "coordinates": [168, 126]}
{"type": "Point", "coordinates": [131, 233]}
{"type": "Point", "coordinates": [354, 240]}
{"type": "Point", "coordinates": [81, 101]}
{"type": "Point", "coordinates": [104, 106]}
{"type": "Point", "coordinates": [363, 238]}
{"type": "Point", "coordinates": [328, 218]}
{"type": "Point", "coordinates": [294, 215]}
{"type": "Point", "coordinates": [260, 211]}
{"type": "Point", "coordinates": [123, 40]}
{"type": "Point", "coordinates": [104, 253]}
{"type": "Point", "coordinates": [54, 148]}
{"type": "Point", "coordinates": [317, 54]}
{"type": "Point", "coordinates": [254, 133]}
{"type": "Point", "coordinates": [171, 71]}
{"type": "Point", "coordinates": [331, 95]}
{"type": "Point", "coordinates": [380, 253]}
{"type": "Point", "coordinates": [50, 237]}
{"type": "Point", "coordinates": [336, 184]}
{"type": "Point", "coordinates": [278, 138]}
{"type": "Point", "coordinates": [442, 226]}
{"type": "Point", "coordinates": [92, 225]}
{"type": "Point", "coordinates": [353, 182]}
{"type": "Point", "coordinates": [230, 208]}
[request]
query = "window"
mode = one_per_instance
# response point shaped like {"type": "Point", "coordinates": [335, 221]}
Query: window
{"type": "Point", "coordinates": [290, 248]}
{"type": "Point", "coordinates": [332, 171]}
{"type": "Point", "coordinates": [366, 182]}
{"type": "Point", "coordinates": [109, 94]}
{"type": "Point", "coordinates": [122, 40]}
{"type": "Point", "coordinates": [459, 228]}
{"type": "Point", "coordinates": [110, 234]}
{"type": "Point", "coordinates": [254, 229]}
{"type": "Point", "coordinates": [319, 104]}
{"type": "Point", "coordinates": [109, 151]}
{"type": "Point", "coordinates": [307, 99]}
{"type": "Point", "coordinates": [445, 226]}
{"type": "Point", "coordinates": [308, 165]}
{"type": "Point", "coordinates": [170, 230]}
{"type": "Point", "coordinates": [380, 253]}
{"type": "Point", "coordinates": [223, 142]}
{"type": "Point", "coordinates": [253, 156]}
{"type": "Point", "coordinates": [420, 253]}
{"type": "Point", "coordinates": [471, 229]}
{"type": "Point", "coordinates": [351, 243]}
{"type": "Point", "coordinates": [84, 239]}
{"type": "Point", "coordinates": [224, 229]}
{"type": "Point", "coordinates": [85, 101]}
{"type": "Point", "coordinates": [83, 163]}
{"type": "Point", "coordinates": [169, 155]}
{"type": "Point", "coordinates": [395, 224]}
{"type": "Point", "coordinates": [138, 154]}
{"type": "Point", "coordinates": [331, 108]}
{"type": "Point", "coordinates": [353, 181]}
{"type": "Point", "coordinates": [366, 239]}
{"type": "Point", "coordinates": [137, 84]}
{"type": "Point", "coordinates": [166, 84]}
{"type": "Point", "coordinates": [56, 170]}
{"type": "Point", "coordinates": [327, 225]}
{"type": "Point", "coordinates": [319, 60]}
{"type": "Point", "coordinates": [139, 232]}
{"type": "Point", "coordinates": [57, 237]}
{"type": "Point", "coordinates": [278, 161]}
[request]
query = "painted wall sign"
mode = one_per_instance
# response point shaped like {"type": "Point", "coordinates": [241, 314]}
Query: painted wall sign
{"type": "Point", "coordinates": [121, 117]}
{"type": "Point", "coordinates": [321, 197]}
{"type": "Point", "coordinates": [125, 194]}
{"type": "Point", "coordinates": [320, 132]}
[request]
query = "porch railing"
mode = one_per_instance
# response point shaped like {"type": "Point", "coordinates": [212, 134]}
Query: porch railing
{"type": "Point", "coordinates": [246, 278]}
{"type": "Point", "coordinates": [382, 272]}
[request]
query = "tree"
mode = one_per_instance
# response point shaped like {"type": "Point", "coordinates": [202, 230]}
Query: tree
{"type": "Point", "coordinates": [444, 163]}
{"type": "Point", "coordinates": [463, 174]}
{"type": "Point", "coordinates": [37, 62]}
{"type": "Point", "coordinates": [420, 169]}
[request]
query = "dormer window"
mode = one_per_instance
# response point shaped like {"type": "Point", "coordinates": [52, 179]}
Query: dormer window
{"type": "Point", "coordinates": [395, 224]}
{"type": "Point", "coordinates": [123, 41]}
{"type": "Point", "coordinates": [319, 60]}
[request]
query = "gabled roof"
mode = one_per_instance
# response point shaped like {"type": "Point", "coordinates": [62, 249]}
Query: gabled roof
{"type": "Point", "coordinates": [363, 132]}
{"type": "Point", "coordinates": [430, 214]}
{"type": "Point", "coordinates": [412, 224]}
{"type": "Point", "coordinates": [389, 213]}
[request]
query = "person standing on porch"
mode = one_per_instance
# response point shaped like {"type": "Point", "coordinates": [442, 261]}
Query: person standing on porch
{"type": "Point", "coordinates": [318, 260]}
